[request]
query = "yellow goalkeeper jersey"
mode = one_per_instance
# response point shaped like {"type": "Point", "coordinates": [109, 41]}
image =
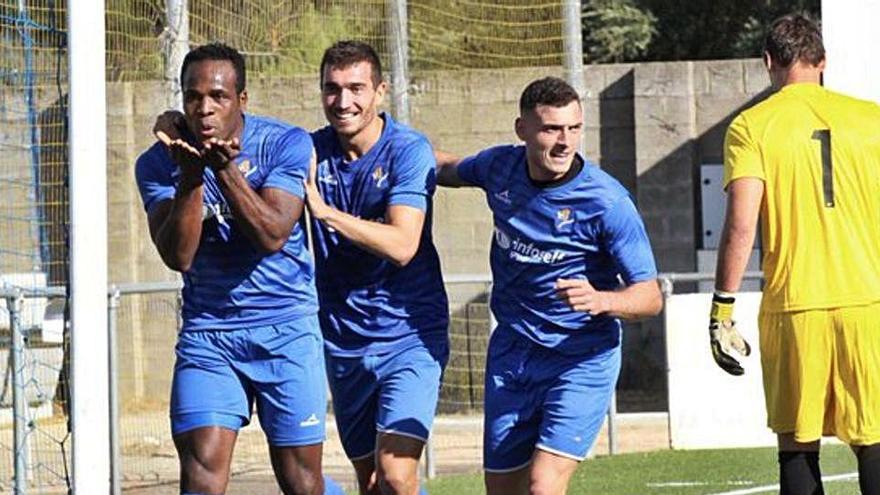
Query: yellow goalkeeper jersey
{"type": "Point", "coordinates": [818, 153]}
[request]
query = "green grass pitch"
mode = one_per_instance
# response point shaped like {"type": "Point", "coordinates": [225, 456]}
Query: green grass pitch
{"type": "Point", "coordinates": [735, 471]}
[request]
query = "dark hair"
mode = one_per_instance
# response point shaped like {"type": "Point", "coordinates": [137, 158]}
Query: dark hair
{"type": "Point", "coordinates": [346, 53]}
{"type": "Point", "coordinates": [217, 51]}
{"type": "Point", "coordinates": [794, 38]}
{"type": "Point", "coordinates": [551, 91]}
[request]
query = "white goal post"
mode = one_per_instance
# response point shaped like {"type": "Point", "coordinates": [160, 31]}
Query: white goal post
{"type": "Point", "coordinates": [851, 39]}
{"type": "Point", "coordinates": [89, 381]}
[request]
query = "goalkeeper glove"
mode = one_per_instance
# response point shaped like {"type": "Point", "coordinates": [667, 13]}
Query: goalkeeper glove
{"type": "Point", "coordinates": [723, 336]}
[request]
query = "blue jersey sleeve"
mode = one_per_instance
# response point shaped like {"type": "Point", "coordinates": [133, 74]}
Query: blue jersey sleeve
{"type": "Point", "coordinates": [627, 241]}
{"type": "Point", "coordinates": [414, 178]}
{"type": "Point", "coordinates": [290, 167]}
{"type": "Point", "coordinates": [154, 177]}
{"type": "Point", "coordinates": [476, 168]}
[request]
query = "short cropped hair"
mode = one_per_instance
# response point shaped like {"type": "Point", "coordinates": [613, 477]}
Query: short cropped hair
{"type": "Point", "coordinates": [551, 91]}
{"type": "Point", "coordinates": [793, 38]}
{"type": "Point", "coordinates": [217, 51]}
{"type": "Point", "coordinates": [346, 53]}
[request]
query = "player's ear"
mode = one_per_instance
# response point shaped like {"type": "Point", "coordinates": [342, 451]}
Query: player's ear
{"type": "Point", "coordinates": [768, 61]}
{"type": "Point", "coordinates": [821, 65]}
{"type": "Point", "coordinates": [519, 127]}
{"type": "Point", "coordinates": [381, 88]}
{"type": "Point", "coordinates": [243, 99]}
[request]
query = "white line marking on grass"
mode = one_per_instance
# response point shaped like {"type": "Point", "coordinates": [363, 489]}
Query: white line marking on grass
{"type": "Point", "coordinates": [773, 488]}
{"type": "Point", "coordinates": [675, 484]}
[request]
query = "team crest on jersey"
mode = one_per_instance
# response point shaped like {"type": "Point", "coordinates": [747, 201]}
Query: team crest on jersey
{"type": "Point", "coordinates": [244, 167]}
{"type": "Point", "coordinates": [380, 176]}
{"type": "Point", "coordinates": [563, 218]}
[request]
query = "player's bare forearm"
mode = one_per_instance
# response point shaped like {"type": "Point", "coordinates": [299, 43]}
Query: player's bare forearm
{"type": "Point", "coordinates": [639, 300]}
{"type": "Point", "coordinates": [447, 170]}
{"type": "Point", "coordinates": [636, 301]}
{"type": "Point", "coordinates": [176, 227]}
{"type": "Point", "coordinates": [266, 217]}
{"type": "Point", "coordinates": [738, 236]}
{"type": "Point", "coordinates": [396, 241]}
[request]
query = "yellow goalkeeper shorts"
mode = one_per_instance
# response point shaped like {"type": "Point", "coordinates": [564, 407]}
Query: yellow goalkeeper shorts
{"type": "Point", "coordinates": [822, 373]}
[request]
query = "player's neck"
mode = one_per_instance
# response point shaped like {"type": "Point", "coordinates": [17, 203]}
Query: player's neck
{"type": "Point", "coordinates": [359, 144]}
{"type": "Point", "coordinates": [577, 164]}
{"type": "Point", "coordinates": [800, 73]}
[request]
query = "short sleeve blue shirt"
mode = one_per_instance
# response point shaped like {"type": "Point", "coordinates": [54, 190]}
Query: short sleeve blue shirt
{"type": "Point", "coordinates": [369, 305]}
{"type": "Point", "coordinates": [231, 284]}
{"type": "Point", "coordinates": [586, 228]}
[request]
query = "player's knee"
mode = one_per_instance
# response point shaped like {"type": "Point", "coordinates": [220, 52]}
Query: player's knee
{"type": "Point", "coordinates": [545, 486]}
{"type": "Point", "coordinates": [301, 482]}
{"type": "Point", "coordinates": [397, 482]}
{"type": "Point", "coordinates": [205, 474]}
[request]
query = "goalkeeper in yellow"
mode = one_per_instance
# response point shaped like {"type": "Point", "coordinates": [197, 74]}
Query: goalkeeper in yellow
{"type": "Point", "coordinates": [806, 161]}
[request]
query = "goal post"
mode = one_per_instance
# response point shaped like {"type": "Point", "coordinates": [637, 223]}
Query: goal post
{"type": "Point", "coordinates": [90, 421]}
{"type": "Point", "coordinates": [851, 40]}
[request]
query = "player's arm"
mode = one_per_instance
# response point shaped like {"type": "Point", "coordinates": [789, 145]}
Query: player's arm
{"type": "Point", "coordinates": [447, 170]}
{"type": "Point", "coordinates": [632, 302]}
{"type": "Point", "coordinates": [396, 240]}
{"type": "Point", "coordinates": [744, 196]}
{"type": "Point", "coordinates": [266, 217]}
{"type": "Point", "coordinates": [176, 224]}
{"type": "Point", "coordinates": [743, 170]}
{"type": "Point", "coordinates": [625, 240]}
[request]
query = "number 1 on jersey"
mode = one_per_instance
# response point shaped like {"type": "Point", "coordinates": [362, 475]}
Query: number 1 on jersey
{"type": "Point", "coordinates": [824, 138]}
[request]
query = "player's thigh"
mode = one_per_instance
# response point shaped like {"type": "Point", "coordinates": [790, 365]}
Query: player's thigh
{"type": "Point", "coordinates": [298, 469]}
{"type": "Point", "coordinates": [550, 473]}
{"type": "Point", "coordinates": [397, 461]}
{"type": "Point", "coordinates": [515, 482]}
{"type": "Point", "coordinates": [796, 360]}
{"type": "Point", "coordinates": [286, 370]}
{"type": "Point", "coordinates": [353, 388]}
{"type": "Point", "coordinates": [512, 408]}
{"type": "Point", "coordinates": [409, 387]}
{"type": "Point", "coordinates": [856, 381]}
{"type": "Point", "coordinates": [576, 403]}
{"type": "Point", "coordinates": [205, 389]}
{"type": "Point", "coordinates": [205, 455]}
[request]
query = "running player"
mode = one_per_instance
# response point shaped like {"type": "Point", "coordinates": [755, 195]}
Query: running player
{"type": "Point", "coordinates": [224, 196]}
{"type": "Point", "coordinates": [383, 306]}
{"type": "Point", "coordinates": [570, 257]}
{"type": "Point", "coordinates": [807, 162]}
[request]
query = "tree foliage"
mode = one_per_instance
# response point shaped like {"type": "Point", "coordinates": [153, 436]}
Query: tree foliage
{"type": "Point", "coordinates": [715, 29]}
{"type": "Point", "coordinates": [616, 31]}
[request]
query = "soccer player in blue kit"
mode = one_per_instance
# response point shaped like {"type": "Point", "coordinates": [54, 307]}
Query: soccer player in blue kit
{"type": "Point", "coordinates": [224, 196]}
{"type": "Point", "coordinates": [570, 257]}
{"type": "Point", "coordinates": [384, 310]}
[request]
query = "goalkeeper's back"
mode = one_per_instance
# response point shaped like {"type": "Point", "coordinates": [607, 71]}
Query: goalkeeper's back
{"type": "Point", "coordinates": [818, 153]}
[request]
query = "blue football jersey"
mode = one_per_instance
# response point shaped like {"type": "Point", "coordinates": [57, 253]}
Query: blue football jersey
{"type": "Point", "coordinates": [231, 284]}
{"type": "Point", "coordinates": [369, 305]}
{"type": "Point", "coordinates": [585, 228]}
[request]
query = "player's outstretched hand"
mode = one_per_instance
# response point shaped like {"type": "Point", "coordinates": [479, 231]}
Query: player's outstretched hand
{"type": "Point", "coordinates": [317, 207]}
{"type": "Point", "coordinates": [724, 337]}
{"type": "Point", "coordinates": [580, 295]}
{"type": "Point", "coordinates": [219, 153]}
{"type": "Point", "coordinates": [185, 156]}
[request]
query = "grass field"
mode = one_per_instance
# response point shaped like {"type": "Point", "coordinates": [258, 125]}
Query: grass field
{"type": "Point", "coordinates": [733, 472]}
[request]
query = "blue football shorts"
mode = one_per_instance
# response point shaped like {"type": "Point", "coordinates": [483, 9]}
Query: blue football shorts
{"type": "Point", "coordinates": [395, 393]}
{"type": "Point", "coordinates": [537, 398]}
{"type": "Point", "coordinates": [220, 374]}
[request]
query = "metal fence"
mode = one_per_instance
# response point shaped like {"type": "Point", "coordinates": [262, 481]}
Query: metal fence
{"type": "Point", "coordinates": [143, 319]}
